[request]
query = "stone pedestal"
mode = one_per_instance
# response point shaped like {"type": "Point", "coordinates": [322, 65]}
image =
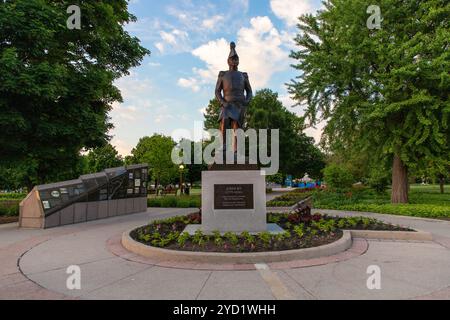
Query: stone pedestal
{"type": "Point", "coordinates": [233, 201]}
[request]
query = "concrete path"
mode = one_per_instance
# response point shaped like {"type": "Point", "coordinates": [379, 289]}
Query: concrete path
{"type": "Point", "coordinates": [33, 265]}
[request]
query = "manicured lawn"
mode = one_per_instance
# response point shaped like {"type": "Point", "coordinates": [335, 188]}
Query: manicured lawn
{"type": "Point", "coordinates": [424, 201]}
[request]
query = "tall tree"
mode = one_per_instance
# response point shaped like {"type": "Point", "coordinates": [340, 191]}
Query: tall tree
{"type": "Point", "coordinates": [384, 91]}
{"type": "Point", "coordinates": [156, 152]}
{"type": "Point", "coordinates": [56, 84]}
{"type": "Point", "coordinates": [212, 115]}
{"type": "Point", "coordinates": [298, 154]}
{"type": "Point", "coordinates": [193, 172]}
{"type": "Point", "coordinates": [102, 158]}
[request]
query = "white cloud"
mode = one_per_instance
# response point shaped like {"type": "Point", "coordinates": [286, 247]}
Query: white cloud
{"type": "Point", "coordinates": [160, 46]}
{"type": "Point", "coordinates": [168, 37]}
{"type": "Point", "coordinates": [176, 40]}
{"type": "Point", "coordinates": [286, 100]}
{"type": "Point", "coordinates": [212, 22]}
{"type": "Point", "coordinates": [190, 83]}
{"type": "Point", "coordinates": [261, 48]}
{"type": "Point", "coordinates": [122, 147]}
{"type": "Point", "coordinates": [214, 54]}
{"type": "Point", "coordinates": [290, 10]}
{"type": "Point", "coordinates": [316, 132]}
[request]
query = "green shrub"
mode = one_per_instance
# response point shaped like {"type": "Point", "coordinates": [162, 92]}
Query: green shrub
{"type": "Point", "coordinates": [153, 202]}
{"type": "Point", "coordinates": [431, 205]}
{"type": "Point", "coordinates": [168, 202]}
{"type": "Point", "coordinates": [195, 203]}
{"type": "Point", "coordinates": [379, 180]}
{"type": "Point", "coordinates": [338, 177]}
{"type": "Point", "coordinates": [183, 203]}
{"type": "Point", "coordinates": [12, 196]}
{"type": "Point", "coordinates": [175, 202]}
{"type": "Point", "coordinates": [10, 210]}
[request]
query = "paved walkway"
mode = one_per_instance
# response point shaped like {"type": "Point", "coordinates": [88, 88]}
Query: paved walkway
{"type": "Point", "coordinates": [33, 265]}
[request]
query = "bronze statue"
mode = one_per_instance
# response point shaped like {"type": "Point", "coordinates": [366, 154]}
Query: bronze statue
{"type": "Point", "coordinates": [234, 103]}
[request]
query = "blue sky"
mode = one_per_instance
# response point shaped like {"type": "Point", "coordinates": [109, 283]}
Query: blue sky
{"type": "Point", "coordinates": [189, 41]}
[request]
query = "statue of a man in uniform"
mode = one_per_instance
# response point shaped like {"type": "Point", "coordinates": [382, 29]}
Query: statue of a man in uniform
{"type": "Point", "coordinates": [233, 101]}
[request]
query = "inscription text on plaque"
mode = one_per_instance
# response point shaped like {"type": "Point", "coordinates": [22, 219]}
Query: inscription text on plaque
{"type": "Point", "coordinates": [233, 196]}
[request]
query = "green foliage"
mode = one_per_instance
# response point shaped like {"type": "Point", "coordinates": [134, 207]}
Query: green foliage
{"type": "Point", "coordinates": [167, 233]}
{"type": "Point", "coordinates": [424, 202]}
{"type": "Point", "coordinates": [168, 202]}
{"type": "Point", "coordinates": [102, 158]}
{"type": "Point", "coordinates": [218, 240]}
{"type": "Point", "coordinates": [156, 152]}
{"type": "Point", "coordinates": [298, 154]}
{"type": "Point", "coordinates": [299, 231]}
{"type": "Point", "coordinates": [175, 202]}
{"type": "Point", "coordinates": [384, 92]}
{"type": "Point", "coordinates": [12, 196]}
{"type": "Point", "coordinates": [248, 238]}
{"type": "Point", "coordinates": [288, 199]}
{"type": "Point", "coordinates": [9, 209]}
{"type": "Point", "coordinates": [183, 238]}
{"type": "Point", "coordinates": [266, 238]}
{"type": "Point", "coordinates": [379, 180]}
{"type": "Point", "coordinates": [338, 177]}
{"type": "Point", "coordinates": [198, 238]}
{"type": "Point", "coordinates": [232, 238]}
{"type": "Point", "coordinates": [212, 115]}
{"type": "Point", "coordinates": [56, 84]}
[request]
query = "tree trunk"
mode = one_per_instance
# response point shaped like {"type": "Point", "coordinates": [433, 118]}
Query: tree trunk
{"type": "Point", "coordinates": [399, 181]}
{"type": "Point", "coordinates": [441, 182]}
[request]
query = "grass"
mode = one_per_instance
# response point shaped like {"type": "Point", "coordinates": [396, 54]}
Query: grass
{"type": "Point", "coordinates": [424, 201]}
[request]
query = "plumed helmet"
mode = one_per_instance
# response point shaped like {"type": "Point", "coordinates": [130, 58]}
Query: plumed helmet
{"type": "Point", "coordinates": [233, 52]}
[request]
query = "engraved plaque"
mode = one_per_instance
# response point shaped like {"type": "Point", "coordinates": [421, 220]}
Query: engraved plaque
{"type": "Point", "coordinates": [233, 196]}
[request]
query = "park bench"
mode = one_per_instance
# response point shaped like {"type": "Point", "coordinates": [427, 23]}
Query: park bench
{"type": "Point", "coordinates": [169, 191]}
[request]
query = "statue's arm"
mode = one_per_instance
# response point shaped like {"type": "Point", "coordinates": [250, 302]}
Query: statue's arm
{"type": "Point", "coordinates": [219, 87]}
{"type": "Point", "coordinates": [248, 89]}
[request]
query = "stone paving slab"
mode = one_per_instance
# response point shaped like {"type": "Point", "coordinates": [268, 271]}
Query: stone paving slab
{"type": "Point", "coordinates": [235, 285]}
{"type": "Point", "coordinates": [155, 283]}
{"type": "Point", "coordinates": [410, 269]}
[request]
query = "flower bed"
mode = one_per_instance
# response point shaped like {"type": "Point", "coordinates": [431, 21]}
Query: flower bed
{"type": "Point", "coordinates": [301, 231]}
{"type": "Point", "coordinates": [289, 199]}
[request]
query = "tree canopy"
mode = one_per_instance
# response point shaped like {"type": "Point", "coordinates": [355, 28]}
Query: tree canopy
{"type": "Point", "coordinates": [384, 92]}
{"type": "Point", "coordinates": [102, 158]}
{"type": "Point", "coordinates": [56, 84]}
{"type": "Point", "coordinates": [156, 152]}
{"type": "Point", "coordinates": [298, 154]}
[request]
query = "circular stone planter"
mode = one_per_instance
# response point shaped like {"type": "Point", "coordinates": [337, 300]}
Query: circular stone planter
{"type": "Point", "coordinates": [344, 243]}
